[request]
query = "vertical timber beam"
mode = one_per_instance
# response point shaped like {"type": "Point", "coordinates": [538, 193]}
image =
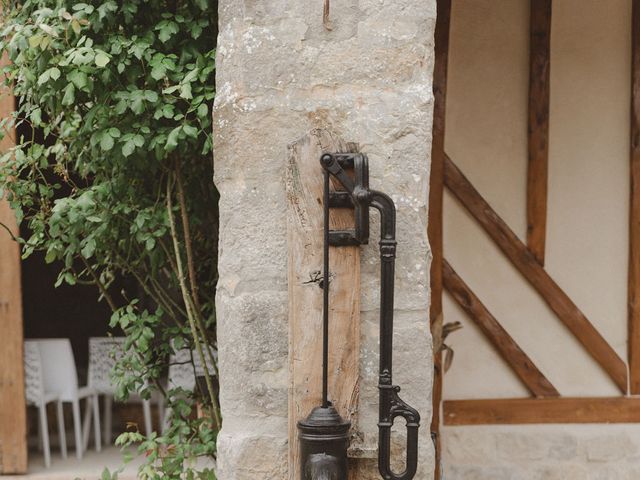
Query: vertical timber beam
{"type": "Point", "coordinates": [305, 237]}
{"type": "Point", "coordinates": [435, 226]}
{"type": "Point", "coordinates": [13, 423]}
{"type": "Point", "coordinates": [538, 127]}
{"type": "Point", "coordinates": [634, 209]}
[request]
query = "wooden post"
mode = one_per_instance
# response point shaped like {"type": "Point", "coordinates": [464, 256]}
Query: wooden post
{"type": "Point", "coordinates": [538, 128]}
{"type": "Point", "coordinates": [13, 422]}
{"type": "Point", "coordinates": [304, 236]}
{"type": "Point", "coordinates": [434, 229]}
{"type": "Point", "coordinates": [634, 210]}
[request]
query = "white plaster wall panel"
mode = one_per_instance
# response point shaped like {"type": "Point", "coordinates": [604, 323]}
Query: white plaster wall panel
{"type": "Point", "coordinates": [588, 182]}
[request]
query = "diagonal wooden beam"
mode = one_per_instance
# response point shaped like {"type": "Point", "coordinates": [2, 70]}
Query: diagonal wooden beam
{"type": "Point", "coordinates": [436, 188]}
{"type": "Point", "coordinates": [532, 271]}
{"type": "Point", "coordinates": [634, 210]}
{"type": "Point", "coordinates": [509, 350]}
{"type": "Point", "coordinates": [538, 126]}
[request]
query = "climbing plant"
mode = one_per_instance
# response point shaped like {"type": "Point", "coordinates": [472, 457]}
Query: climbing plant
{"type": "Point", "coordinates": [111, 177]}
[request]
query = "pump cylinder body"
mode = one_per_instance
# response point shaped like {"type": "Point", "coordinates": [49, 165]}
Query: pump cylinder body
{"type": "Point", "coordinates": [324, 439]}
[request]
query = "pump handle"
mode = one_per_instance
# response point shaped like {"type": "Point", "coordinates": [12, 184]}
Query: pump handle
{"type": "Point", "coordinates": [361, 199]}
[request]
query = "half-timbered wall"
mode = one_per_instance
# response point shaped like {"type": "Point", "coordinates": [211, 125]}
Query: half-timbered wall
{"type": "Point", "coordinates": [587, 230]}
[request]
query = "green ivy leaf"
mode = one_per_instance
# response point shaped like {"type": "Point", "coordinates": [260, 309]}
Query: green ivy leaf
{"type": "Point", "coordinates": [78, 78]}
{"type": "Point", "coordinates": [75, 26]}
{"type": "Point", "coordinates": [158, 72]}
{"type": "Point", "coordinates": [185, 91]}
{"type": "Point", "coordinates": [128, 148]}
{"type": "Point", "coordinates": [89, 248]}
{"type": "Point", "coordinates": [101, 59]}
{"type": "Point", "coordinates": [138, 140]}
{"type": "Point", "coordinates": [50, 257]}
{"type": "Point", "coordinates": [106, 142]}
{"type": "Point", "coordinates": [203, 110]}
{"type": "Point", "coordinates": [69, 94]}
{"type": "Point", "coordinates": [190, 131]}
{"type": "Point", "coordinates": [171, 89]}
{"type": "Point", "coordinates": [172, 139]}
{"type": "Point", "coordinates": [35, 40]}
{"type": "Point", "coordinates": [151, 96]}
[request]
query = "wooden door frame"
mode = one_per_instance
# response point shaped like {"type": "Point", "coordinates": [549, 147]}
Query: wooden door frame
{"type": "Point", "coordinates": [13, 422]}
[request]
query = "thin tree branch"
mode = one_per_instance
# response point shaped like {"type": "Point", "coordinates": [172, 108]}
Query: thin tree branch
{"type": "Point", "coordinates": [13, 237]}
{"type": "Point", "coordinates": [101, 286]}
{"type": "Point", "coordinates": [189, 305]}
{"type": "Point", "coordinates": [188, 246]}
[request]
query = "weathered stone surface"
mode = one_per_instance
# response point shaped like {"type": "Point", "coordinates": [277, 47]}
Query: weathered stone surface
{"type": "Point", "coordinates": [609, 448]}
{"type": "Point", "coordinates": [631, 473]}
{"type": "Point", "coordinates": [480, 473]}
{"type": "Point", "coordinates": [543, 452]}
{"type": "Point", "coordinates": [249, 456]}
{"type": "Point", "coordinates": [562, 446]}
{"type": "Point", "coordinates": [463, 447]}
{"type": "Point", "coordinates": [560, 472]}
{"type": "Point", "coordinates": [281, 73]}
{"type": "Point", "coordinates": [252, 347]}
{"type": "Point", "coordinates": [515, 446]}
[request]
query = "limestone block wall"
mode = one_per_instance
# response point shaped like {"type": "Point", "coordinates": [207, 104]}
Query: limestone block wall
{"type": "Point", "coordinates": [280, 73]}
{"type": "Point", "coordinates": [542, 452]}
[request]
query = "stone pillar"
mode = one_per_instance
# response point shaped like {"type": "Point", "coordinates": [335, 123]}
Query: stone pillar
{"type": "Point", "coordinates": [365, 75]}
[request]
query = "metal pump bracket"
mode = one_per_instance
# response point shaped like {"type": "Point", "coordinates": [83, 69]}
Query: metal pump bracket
{"type": "Point", "coordinates": [360, 197]}
{"type": "Point", "coordinates": [355, 196]}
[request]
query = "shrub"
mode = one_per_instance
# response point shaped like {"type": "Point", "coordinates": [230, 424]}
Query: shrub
{"type": "Point", "coordinates": [112, 176]}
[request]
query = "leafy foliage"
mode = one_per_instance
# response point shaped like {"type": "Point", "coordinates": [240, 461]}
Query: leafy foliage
{"type": "Point", "coordinates": [111, 174]}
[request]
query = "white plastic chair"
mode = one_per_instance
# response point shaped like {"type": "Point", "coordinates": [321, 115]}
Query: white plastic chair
{"type": "Point", "coordinates": [60, 376]}
{"type": "Point", "coordinates": [104, 352]}
{"type": "Point", "coordinates": [36, 395]}
{"type": "Point", "coordinates": [182, 373]}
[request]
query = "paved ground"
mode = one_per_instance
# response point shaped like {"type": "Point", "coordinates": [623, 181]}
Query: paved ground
{"type": "Point", "coordinates": [89, 468]}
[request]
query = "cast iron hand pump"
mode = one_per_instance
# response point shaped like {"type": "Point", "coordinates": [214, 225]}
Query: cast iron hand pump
{"type": "Point", "coordinates": [324, 434]}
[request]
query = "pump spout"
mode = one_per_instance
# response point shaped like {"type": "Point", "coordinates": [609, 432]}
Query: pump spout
{"type": "Point", "coordinates": [321, 466]}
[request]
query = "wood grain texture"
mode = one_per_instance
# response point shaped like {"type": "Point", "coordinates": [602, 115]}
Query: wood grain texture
{"type": "Point", "coordinates": [304, 184]}
{"type": "Point", "coordinates": [434, 228]}
{"type": "Point", "coordinates": [532, 378]}
{"type": "Point", "coordinates": [538, 126]}
{"type": "Point", "coordinates": [13, 423]}
{"type": "Point", "coordinates": [524, 261]}
{"type": "Point", "coordinates": [634, 210]}
{"type": "Point", "coordinates": [509, 411]}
